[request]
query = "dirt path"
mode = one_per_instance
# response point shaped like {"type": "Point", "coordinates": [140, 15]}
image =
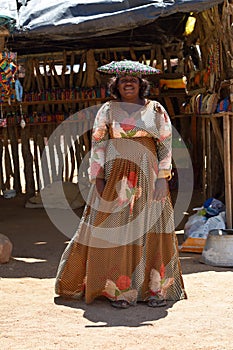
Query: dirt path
{"type": "Point", "coordinates": [32, 317]}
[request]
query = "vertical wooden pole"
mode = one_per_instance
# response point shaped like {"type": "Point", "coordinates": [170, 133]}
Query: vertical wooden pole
{"type": "Point", "coordinates": [28, 162]}
{"type": "Point", "coordinates": [231, 162]}
{"type": "Point", "coordinates": [36, 161]}
{"type": "Point", "coordinates": [1, 171]}
{"type": "Point", "coordinates": [203, 131]}
{"type": "Point", "coordinates": [8, 166]}
{"type": "Point", "coordinates": [51, 146]}
{"type": "Point", "coordinates": [15, 156]}
{"type": "Point", "coordinates": [208, 154]}
{"type": "Point", "coordinates": [4, 33]}
{"type": "Point", "coordinates": [60, 161]}
{"type": "Point", "coordinates": [43, 156]}
{"type": "Point", "coordinates": [227, 169]}
{"type": "Point", "coordinates": [218, 136]}
{"type": "Point", "coordinates": [194, 146]}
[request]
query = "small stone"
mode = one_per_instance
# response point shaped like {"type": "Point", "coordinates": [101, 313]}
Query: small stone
{"type": "Point", "coordinates": [5, 249]}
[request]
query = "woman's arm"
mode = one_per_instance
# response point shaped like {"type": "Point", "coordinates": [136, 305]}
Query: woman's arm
{"type": "Point", "coordinates": [164, 152]}
{"type": "Point", "coordinates": [100, 135]}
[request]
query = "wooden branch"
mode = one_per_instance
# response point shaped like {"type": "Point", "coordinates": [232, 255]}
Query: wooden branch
{"type": "Point", "coordinates": [152, 55]}
{"type": "Point", "coordinates": [2, 187]}
{"type": "Point", "coordinates": [45, 73]}
{"type": "Point", "coordinates": [36, 161]}
{"type": "Point", "coordinates": [218, 137]}
{"type": "Point", "coordinates": [203, 137]}
{"type": "Point", "coordinates": [72, 61]}
{"type": "Point", "coordinates": [15, 157]}
{"type": "Point", "coordinates": [44, 160]}
{"type": "Point", "coordinates": [7, 159]}
{"type": "Point", "coordinates": [52, 153]}
{"type": "Point", "coordinates": [208, 156]}
{"type": "Point", "coordinates": [227, 170]}
{"type": "Point", "coordinates": [80, 72]}
{"type": "Point", "coordinates": [39, 79]}
{"type": "Point", "coordinates": [64, 69]}
{"type": "Point", "coordinates": [91, 66]}
{"type": "Point", "coordinates": [28, 162]}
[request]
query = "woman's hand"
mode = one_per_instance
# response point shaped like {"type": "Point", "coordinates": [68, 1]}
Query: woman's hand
{"type": "Point", "coordinates": [100, 184]}
{"type": "Point", "coordinates": [161, 189]}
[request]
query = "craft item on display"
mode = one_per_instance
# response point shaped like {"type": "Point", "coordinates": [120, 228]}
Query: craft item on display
{"type": "Point", "coordinates": [223, 105]}
{"type": "Point", "coordinates": [173, 83]}
{"type": "Point", "coordinates": [204, 103]}
{"type": "Point", "coordinates": [67, 94]}
{"type": "Point", "coordinates": [18, 90]}
{"type": "Point", "coordinates": [3, 121]}
{"type": "Point", "coordinates": [22, 122]}
{"type": "Point", "coordinates": [127, 67]}
{"type": "Point", "coordinates": [8, 68]}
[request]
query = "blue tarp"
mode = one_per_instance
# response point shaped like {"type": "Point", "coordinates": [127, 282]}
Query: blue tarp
{"type": "Point", "coordinates": [56, 25]}
{"type": "Point", "coordinates": [8, 8]}
{"type": "Point", "coordinates": [100, 17]}
{"type": "Point", "coordinates": [8, 14]}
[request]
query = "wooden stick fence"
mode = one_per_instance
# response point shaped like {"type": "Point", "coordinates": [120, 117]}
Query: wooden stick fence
{"type": "Point", "coordinates": [40, 154]}
{"type": "Point", "coordinates": [213, 155]}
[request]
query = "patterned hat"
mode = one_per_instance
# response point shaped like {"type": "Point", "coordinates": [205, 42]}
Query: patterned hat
{"type": "Point", "coordinates": [127, 67]}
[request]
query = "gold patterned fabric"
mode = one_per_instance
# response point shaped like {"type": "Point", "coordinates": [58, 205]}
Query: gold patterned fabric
{"type": "Point", "coordinates": [125, 246]}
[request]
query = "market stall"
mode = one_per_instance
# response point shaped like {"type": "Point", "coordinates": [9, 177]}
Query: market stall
{"type": "Point", "coordinates": [59, 80]}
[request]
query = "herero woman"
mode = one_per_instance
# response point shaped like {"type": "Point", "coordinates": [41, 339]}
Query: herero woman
{"type": "Point", "coordinates": [125, 247]}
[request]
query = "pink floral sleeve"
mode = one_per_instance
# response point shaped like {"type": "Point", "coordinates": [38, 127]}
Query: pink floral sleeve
{"type": "Point", "coordinates": [164, 141]}
{"type": "Point", "coordinates": [99, 136]}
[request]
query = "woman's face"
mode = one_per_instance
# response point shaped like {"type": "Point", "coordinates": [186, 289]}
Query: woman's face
{"type": "Point", "coordinates": [128, 87]}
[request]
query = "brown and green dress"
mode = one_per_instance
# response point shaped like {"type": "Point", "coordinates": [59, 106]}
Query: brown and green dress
{"type": "Point", "coordinates": [125, 247]}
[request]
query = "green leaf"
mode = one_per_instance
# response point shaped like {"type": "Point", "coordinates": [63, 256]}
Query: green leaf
{"type": "Point", "coordinates": [131, 133]}
{"type": "Point", "coordinates": [128, 193]}
{"type": "Point", "coordinates": [95, 156]}
{"type": "Point", "coordinates": [117, 293]}
{"type": "Point", "coordinates": [162, 281]}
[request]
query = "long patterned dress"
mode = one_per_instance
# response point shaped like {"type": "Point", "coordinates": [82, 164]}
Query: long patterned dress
{"type": "Point", "coordinates": [125, 247]}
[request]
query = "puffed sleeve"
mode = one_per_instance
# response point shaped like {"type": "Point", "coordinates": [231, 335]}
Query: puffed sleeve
{"type": "Point", "coordinates": [100, 134]}
{"type": "Point", "coordinates": [164, 142]}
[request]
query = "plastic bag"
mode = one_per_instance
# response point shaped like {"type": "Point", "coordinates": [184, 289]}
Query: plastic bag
{"type": "Point", "coordinates": [194, 225]}
{"type": "Point", "coordinates": [199, 228]}
{"type": "Point", "coordinates": [213, 207]}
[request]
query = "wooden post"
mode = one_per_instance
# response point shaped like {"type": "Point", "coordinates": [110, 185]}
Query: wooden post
{"type": "Point", "coordinates": [218, 137]}
{"type": "Point", "coordinates": [227, 169]}
{"type": "Point", "coordinates": [15, 155]}
{"type": "Point", "coordinates": [43, 156]}
{"type": "Point", "coordinates": [3, 34]}
{"type": "Point", "coordinates": [1, 172]}
{"type": "Point", "coordinates": [231, 158]}
{"type": "Point", "coordinates": [194, 146]}
{"type": "Point", "coordinates": [2, 43]}
{"type": "Point", "coordinates": [8, 165]}
{"type": "Point", "coordinates": [28, 162]}
{"type": "Point", "coordinates": [51, 146]}
{"type": "Point", "coordinates": [208, 160]}
{"type": "Point", "coordinates": [203, 123]}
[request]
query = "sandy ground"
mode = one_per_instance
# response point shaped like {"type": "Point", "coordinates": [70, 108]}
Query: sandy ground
{"type": "Point", "coordinates": [32, 317]}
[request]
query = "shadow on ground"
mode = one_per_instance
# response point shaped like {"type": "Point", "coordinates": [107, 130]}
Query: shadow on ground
{"type": "Point", "coordinates": [102, 314]}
